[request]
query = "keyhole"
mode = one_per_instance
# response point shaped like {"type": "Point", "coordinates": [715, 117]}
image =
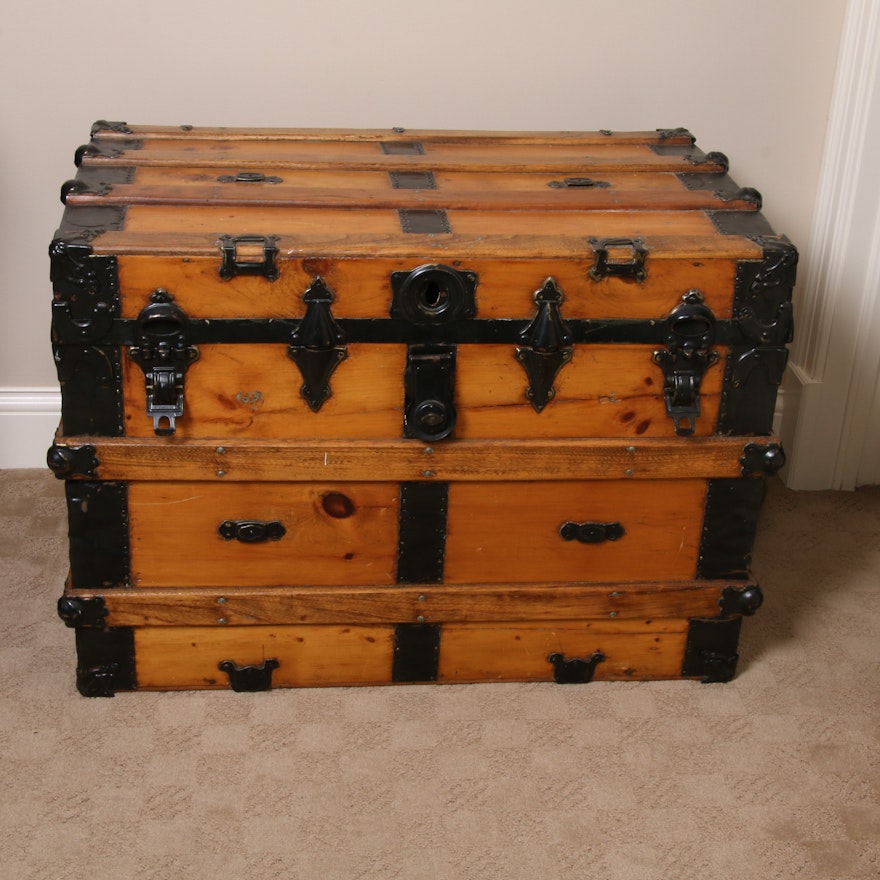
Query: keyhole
{"type": "Point", "coordinates": [434, 296]}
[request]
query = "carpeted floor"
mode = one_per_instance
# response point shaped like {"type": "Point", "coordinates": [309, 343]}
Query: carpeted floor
{"type": "Point", "coordinates": [775, 775]}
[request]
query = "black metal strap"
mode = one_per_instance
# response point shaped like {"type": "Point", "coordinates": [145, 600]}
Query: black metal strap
{"type": "Point", "coordinates": [421, 551]}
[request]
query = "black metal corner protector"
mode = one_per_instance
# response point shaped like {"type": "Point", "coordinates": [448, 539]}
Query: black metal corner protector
{"type": "Point", "coordinates": [72, 461]}
{"type": "Point", "coordinates": [741, 600]}
{"type": "Point", "coordinates": [710, 652]}
{"type": "Point", "coordinates": [79, 611]}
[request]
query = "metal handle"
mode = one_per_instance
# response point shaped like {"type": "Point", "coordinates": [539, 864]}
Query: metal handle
{"type": "Point", "coordinates": [569, 182]}
{"type": "Point", "coordinates": [234, 262]}
{"type": "Point", "coordinates": [245, 679]}
{"type": "Point", "coordinates": [249, 531]}
{"type": "Point", "coordinates": [591, 532]}
{"type": "Point", "coordinates": [619, 258]}
{"type": "Point", "coordinates": [248, 177]}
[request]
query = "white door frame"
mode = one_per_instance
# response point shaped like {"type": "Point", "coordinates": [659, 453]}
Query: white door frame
{"type": "Point", "coordinates": [830, 419]}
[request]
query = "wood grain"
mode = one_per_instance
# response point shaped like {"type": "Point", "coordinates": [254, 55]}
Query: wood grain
{"type": "Point", "coordinates": [235, 460]}
{"type": "Point", "coordinates": [175, 541]}
{"type": "Point", "coordinates": [651, 603]}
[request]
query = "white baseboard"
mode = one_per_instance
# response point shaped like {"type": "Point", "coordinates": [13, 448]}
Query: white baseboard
{"type": "Point", "coordinates": [28, 420]}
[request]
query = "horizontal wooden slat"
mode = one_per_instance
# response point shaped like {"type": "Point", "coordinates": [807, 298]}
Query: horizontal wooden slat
{"type": "Point", "coordinates": [123, 458]}
{"type": "Point", "coordinates": [189, 133]}
{"type": "Point", "coordinates": [647, 605]}
{"type": "Point", "coordinates": [453, 191]}
{"type": "Point", "coordinates": [251, 155]}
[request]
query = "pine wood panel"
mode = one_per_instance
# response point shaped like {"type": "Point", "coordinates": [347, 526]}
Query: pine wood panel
{"type": "Point", "coordinates": [175, 541]}
{"type": "Point", "coordinates": [520, 652]}
{"type": "Point", "coordinates": [452, 191]}
{"type": "Point", "coordinates": [656, 604]}
{"type": "Point", "coordinates": [449, 247]}
{"type": "Point", "coordinates": [509, 532]}
{"type": "Point", "coordinates": [170, 658]}
{"type": "Point", "coordinates": [361, 155]}
{"type": "Point", "coordinates": [362, 289]}
{"type": "Point", "coordinates": [307, 223]}
{"type": "Point", "coordinates": [604, 391]}
{"type": "Point", "coordinates": [342, 135]}
{"type": "Point", "coordinates": [236, 460]}
{"type": "Point", "coordinates": [254, 390]}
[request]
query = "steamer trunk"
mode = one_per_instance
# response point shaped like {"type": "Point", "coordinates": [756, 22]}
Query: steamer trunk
{"type": "Point", "coordinates": [363, 407]}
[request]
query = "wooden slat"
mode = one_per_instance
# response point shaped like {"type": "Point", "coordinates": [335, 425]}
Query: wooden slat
{"type": "Point", "coordinates": [454, 191]}
{"type": "Point", "coordinates": [362, 287]}
{"type": "Point", "coordinates": [597, 605]}
{"type": "Point", "coordinates": [317, 244]}
{"type": "Point", "coordinates": [231, 460]}
{"type": "Point", "coordinates": [190, 133]}
{"type": "Point", "coordinates": [520, 652]}
{"type": "Point", "coordinates": [241, 155]}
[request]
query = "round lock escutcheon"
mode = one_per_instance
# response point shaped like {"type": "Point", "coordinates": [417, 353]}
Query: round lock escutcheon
{"type": "Point", "coordinates": [434, 293]}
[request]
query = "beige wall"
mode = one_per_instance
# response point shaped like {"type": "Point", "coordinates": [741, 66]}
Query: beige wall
{"type": "Point", "coordinates": [751, 78]}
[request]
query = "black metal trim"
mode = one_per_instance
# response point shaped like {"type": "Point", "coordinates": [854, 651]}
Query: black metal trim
{"type": "Point", "coordinates": [762, 458]}
{"type": "Point", "coordinates": [729, 525]}
{"type": "Point", "coordinates": [421, 549]}
{"type": "Point", "coordinates": [77, 611]}
{"type": "Point", "coordinates": [575, 670]}
{"type": "Point", "coordinates": [72, 461]}
{"type": "Point", "coordinates": [722, 185]}
{"type": "Point", "coordinates": [412, 179]}
{"type": "Point", "coordinates": [249, 679]}
{"type": "Point", "coordinates": [98, 532]}
{"type": "Point", "coordinates": [90, 377]}
{"type": "Point", "coordinates": [419, 221]}
{"type": "Point", "coordinates": [97, 180]}
{"type": "Point", "coordinates": [711, 649]}
{"type": "Point", "coordinates": [105, 661]}
{"type": "Point", "coordinates": [416, 652]}
{"type": "Point", "coordinates": [402, 148]}
{"type": "Point", "coordinates": [748, 223]}
{"type": "Point", "coordinates": [741, 600]}
{"type": "Point", "coordinates": [482, 331]}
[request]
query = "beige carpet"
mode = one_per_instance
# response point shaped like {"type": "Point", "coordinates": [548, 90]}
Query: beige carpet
{"type": "Point", "coordinates": [775, 775]}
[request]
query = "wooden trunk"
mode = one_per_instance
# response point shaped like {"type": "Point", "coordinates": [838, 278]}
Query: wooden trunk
{"type": "Point", "coordinates": [363, 407]}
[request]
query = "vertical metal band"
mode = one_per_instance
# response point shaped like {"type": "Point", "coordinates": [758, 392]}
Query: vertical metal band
{"type": "Point", "coordinates": [711, 649]}
{"type": "Point", "coordinates": [105, 661]}
{"type": "Point", "coordinates": [416, 652]}
{"type": "Point", "coordinates": [423, 222]}
{"type": "Point", "coordinates": [421, 549]}
{"type": "Point", "coordinates": [98, 529]}
{"type": "Point", "coordinates": [729, 526]}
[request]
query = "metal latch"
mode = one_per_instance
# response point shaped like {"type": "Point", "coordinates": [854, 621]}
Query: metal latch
{"type": "Point", "coordinates": [548, 346]}
{"type": "Point", "coordinates": [429, 411]}
{"type": "Point", "coordinates": [248, 255]}
{"type": "Point", "coordinates": [689, 335]}
{"type": "Point", "coordinates": [163, 352]}
{"type": "Point", "coordinates": [317, 346]}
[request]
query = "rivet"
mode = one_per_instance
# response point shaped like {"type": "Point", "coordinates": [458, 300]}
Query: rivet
{"type": "Point", "coordinates": [614, 595]}
{"type": "Point", "coordinates": [221, 473]}
{"type": "Point", "coordinates": [429, 450]}
{"type": "Point", "coordinates": [221, 600]}
{"type": "Point", "coordinates": [630, 449]}
{"type": "Point", "coordinates": [427, 473]}
{"type": "Point", "coordinates": [220, 450]}
{"type": "Point", "coordinates": [612, 614]}
{"type": "Point", "coordinates": [420, 618]}
{"type": "Point", "coordinates": [222, 620]}
{"type": "Point", "coordinates": [629, 472]}
{"type": "Point", "coordinates": [421, 598]}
